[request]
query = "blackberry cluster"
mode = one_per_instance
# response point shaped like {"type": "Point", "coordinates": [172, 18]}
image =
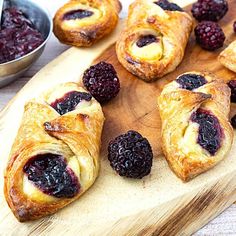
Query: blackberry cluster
{"type": "Point", "coordinates": [234, 26]}
{"type": "Point", "coordinates": [102, 82]}
{"type": "Point", "coordinates": [209, 10]}
{"type": "Point", "coordinates": [209, 35]}
{"type": "Point", "coordinates": [169, 6]}
{"type": "Point", "coordinates": [232, 86]}
{"type": "Point", "coordinates": [130, 155]}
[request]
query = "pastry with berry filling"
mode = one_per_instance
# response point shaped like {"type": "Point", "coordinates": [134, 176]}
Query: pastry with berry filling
{"type": "Point", "coordinates": [55, 156]}
{"type": "Point", "coordinates": [154, 39]}
{"type": "Point", "coordinates": [228, 57]}
{"type": "Point", "coordinates": [196, 132]}
{"type": "Point", "coordinates": [81, 23]}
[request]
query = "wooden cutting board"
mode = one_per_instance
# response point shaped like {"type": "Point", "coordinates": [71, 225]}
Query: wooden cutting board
{"type": "Point", "coordinates": [159, 204]}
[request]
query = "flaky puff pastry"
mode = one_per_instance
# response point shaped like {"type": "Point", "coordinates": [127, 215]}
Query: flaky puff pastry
{"type": "Point", "coordinates": [81, 23]}
{"type": "Point", "coordinates": [196, 133]}
{"type": "Point", "coordinates": [154, 40]}
{"type": "Point", "coordinates": [55, 156]}
{"type": "Point", "coordinates": [228, 57]}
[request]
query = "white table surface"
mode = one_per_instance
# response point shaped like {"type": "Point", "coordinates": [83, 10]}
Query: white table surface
{"type": "Point", "coordinates": [225, 224]}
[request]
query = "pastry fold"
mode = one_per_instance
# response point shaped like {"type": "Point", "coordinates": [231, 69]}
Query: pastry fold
{"type": "Point", "coordinates": [55, 156]}
{"type": "Point", "coordinates": [154, 40]}
{"type": "Point", "coordinates": [81, 23]}
{"type": "Point", "coordinates": [228, 57]}
{"type": "Point", "coordinates": [196, 133]}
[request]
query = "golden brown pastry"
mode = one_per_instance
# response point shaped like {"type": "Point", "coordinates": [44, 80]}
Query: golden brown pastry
{"type": "Point", "coordinates": [81, 23]}
{"type": "Point", "coordinates": [154, 39]}
{"type": "Point", "coordinates": [228, 57]}
{"type": "Point", "coordinates": [55, 156]}
{"type": "Point", "coordinates": [196, 133]}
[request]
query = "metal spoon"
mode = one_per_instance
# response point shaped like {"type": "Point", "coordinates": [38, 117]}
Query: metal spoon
{"type": "Point", "coordinates": [1, 8]}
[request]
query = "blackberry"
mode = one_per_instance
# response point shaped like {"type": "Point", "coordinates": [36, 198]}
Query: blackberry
{"type": "Point", "coordinates": [234, 26]}
{"type": "Point", "coordinates": [233, 121]}
{"type": "Point", "coordinates": [209, 10]}
{"type": "Point", "coordinates": [191, 81]}
{"type": "Point", "coordinates": [49, 172]}
{"type": "Point", "coordinates": [130, 155]}
{"type": "Point", "coordinates": [232, 86]}
{"type": "Point", "coordinates": [102, 82]}
{"type": "Point", "coordinates": [210, 131]}
{"type": "Point", "coordinates": [169, 6]}
{"type": "Point", "coordinates": [209, 35]}
{"type": "Point", "coordinates": [69, 101]}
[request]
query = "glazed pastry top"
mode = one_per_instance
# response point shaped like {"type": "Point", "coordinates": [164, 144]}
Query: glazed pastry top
{"type": "Point", "coordinates": [83, 22]}
{"type": "Point", "coordinates": [154, 39]}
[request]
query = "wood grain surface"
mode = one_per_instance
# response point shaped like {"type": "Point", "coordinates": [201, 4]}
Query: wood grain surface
{"type": "Point", "coordinates": [160, 204]}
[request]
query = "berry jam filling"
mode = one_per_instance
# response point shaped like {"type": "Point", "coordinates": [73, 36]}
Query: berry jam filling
{"type": "Point", "coordinates": [232, 86]}
{"type": "Point", "coordinates": [77, 14]}
{"type": "Point", "coordinates": [69, 101]}
{"type": "Point", "coordinates": [191, 81]}
{"type": "Point", "coordinates": [168, 6]}
{"type": "Point", "coordinates": [18, 35]}
{"type": "Point", "coordinates": [51, 175]}
{"type": "Point", "coordinates": [210, 131]}
{"type": "Point", "coordinates": [146, 40]}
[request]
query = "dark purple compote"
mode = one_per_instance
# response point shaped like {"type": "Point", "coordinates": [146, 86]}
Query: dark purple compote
{"type": "Point", "coordinates": [145, 40]}
{"type": "Point", "coordinates": [77, 14]}
{"type": "Point", "coordinates": [191, 81]}
{"type": "Point", "coordinates": [69, 101]}
{"type": "Point", "coordinates": [18, 35]}
{"type": "Point", "coordinates": [50, 173]}
{"type": "Point", "coordinates": [210, 131]}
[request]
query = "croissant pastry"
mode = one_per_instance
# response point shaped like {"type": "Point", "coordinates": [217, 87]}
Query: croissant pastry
{"type": "Point", "coordinates": [154, 39]}
{"type": "Point", "coordinates": [81, 23]}
{"type": "Point", "coordinates": [228, 57]}
{"type": "Point", "coordinates": [196, 133]}
{"type": "Point", "coordinates": [55, 156]}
